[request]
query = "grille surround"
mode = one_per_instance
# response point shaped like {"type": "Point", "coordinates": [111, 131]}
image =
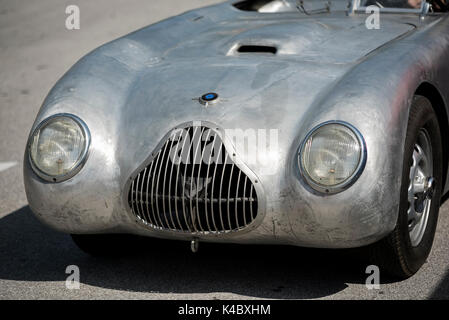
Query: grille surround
{"type": "Point", "coordinates": [229, 219]}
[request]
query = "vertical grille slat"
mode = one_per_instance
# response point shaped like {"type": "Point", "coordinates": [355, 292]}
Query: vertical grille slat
{"type": "Point", "coordinates": [179, 226]}
{"type": "Point", "coordinates": [141, 195]}
{"type": "Point", "coordinates": [203, 182]}
{"type": "Point", "coordinates": [192, 184]}
{"type": "Point", "coordinates": [244, 201]}
{"type": "Point", "coordinates": [228, 212]}
{"type": "Point", "coordinates": [150, 212]}
{"type": "Point", "coordinates": [161, 156]}
{"type": "Point", "coordinates": [152, 190]}
{"type": "Point", "coordinates": [159, 179]}
{"type": "Point", "coordinates": [172, 226]}
{"type": "Point", "coordinates": [221, 188]}
{"type": "Point", "coordinates": [131, 198]}
{"type": "Point", "coordinates": [207, 176]}
{"type": "Point", "coordinates": [195, 161]}
{"type": "Point", "coordinates": [137, 195]}
{"type": "Point", "coordinates": [187, 161]}
{"type": "Point", "coordinates": [251, 207]}
{"type": "Point", "coordinates": [219, 156]}
{"type": "Point", "coordinates": [236, 202]}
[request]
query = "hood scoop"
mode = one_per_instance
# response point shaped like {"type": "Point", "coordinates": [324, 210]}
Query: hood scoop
{"type": "Point", "coordinates": [257, 49]}
{"type": "Point", "coordinates": [264, 6]}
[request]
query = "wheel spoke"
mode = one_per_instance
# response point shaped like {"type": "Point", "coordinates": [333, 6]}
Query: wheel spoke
{"type": "Point", "coordinates": [412, 215]}
{"type": "Point", "coordinates": [418, 155]}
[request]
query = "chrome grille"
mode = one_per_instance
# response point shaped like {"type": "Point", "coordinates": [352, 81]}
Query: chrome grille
{"type": "Point", "coordinates": [193, 185]}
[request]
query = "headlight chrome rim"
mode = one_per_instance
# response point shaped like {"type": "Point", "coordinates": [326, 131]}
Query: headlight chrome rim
{"type": "Point", "coordinates": [323, 189]}
{"type": "Point", "coordinates": [83, 156]}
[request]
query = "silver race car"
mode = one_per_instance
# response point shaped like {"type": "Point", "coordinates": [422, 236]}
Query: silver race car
{"type": "Point", "coordinates": [309, 123]}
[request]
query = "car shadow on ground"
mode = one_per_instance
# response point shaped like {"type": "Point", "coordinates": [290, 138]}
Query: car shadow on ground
{"type": "Point", "coordinates": [31, 252]}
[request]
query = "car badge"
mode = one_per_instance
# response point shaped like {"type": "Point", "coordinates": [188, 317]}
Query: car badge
{"type": "Point", "coordinates": [208, 99]}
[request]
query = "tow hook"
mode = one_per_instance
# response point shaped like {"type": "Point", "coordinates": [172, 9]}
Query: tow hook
{"type": "Point", "coordinates": [194, 244]}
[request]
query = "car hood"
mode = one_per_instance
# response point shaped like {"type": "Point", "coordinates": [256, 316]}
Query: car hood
{"type": "Point", "coordinates": [252, 93]}
{"type": "Point", "coordinates": [256, 89]}
{"type": "Point", "coordinates": [343, 39]}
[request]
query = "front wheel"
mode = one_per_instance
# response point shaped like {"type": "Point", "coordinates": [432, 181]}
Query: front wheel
{"type": "Point", "coordinates": [406, 249]}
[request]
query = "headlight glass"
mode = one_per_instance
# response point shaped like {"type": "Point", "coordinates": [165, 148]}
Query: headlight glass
{"type": "Point", "coordinates": [59, 145]}
{"type": "Point", "coordinates": [332, 155]}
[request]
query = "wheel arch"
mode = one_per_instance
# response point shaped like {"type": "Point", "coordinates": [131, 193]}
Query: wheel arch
{"type": "Point", "coordinates": [431, 92]}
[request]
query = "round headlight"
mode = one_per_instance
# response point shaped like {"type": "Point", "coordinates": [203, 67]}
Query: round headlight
{"type": "Point", "coordinates": [332, 156]}
{"type": "Point", "coordinates": [58, 147]}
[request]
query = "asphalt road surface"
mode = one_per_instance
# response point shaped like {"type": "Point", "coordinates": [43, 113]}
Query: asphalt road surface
{"type": "Point", "coordinates": [35, 50]}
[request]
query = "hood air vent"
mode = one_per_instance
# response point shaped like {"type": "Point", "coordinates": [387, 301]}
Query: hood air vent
{"type": "Point", "coordinates": [265, 6]}
{"type": "Point", "coordinates": [251, 5]}
{"type": "Point", "coordinates": [257, 49]}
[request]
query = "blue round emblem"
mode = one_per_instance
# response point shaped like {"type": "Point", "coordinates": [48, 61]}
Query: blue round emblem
{"type": "Point", "coordinates": [208, 97]}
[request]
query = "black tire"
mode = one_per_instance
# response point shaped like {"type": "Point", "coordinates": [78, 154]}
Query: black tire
{"type": "Point", "coordinates": [395, 254]}
{"type": "Point", "coordinates": [106, 245]}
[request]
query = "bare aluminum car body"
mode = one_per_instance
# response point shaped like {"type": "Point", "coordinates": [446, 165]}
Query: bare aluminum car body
{"type": "Point", "coordinates": [328, 66]}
